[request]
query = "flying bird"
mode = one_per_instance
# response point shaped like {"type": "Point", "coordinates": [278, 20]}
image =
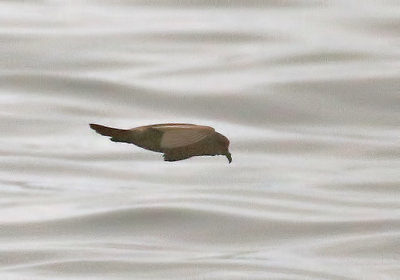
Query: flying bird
{"type": "Point", "coordinates": [177, 141]}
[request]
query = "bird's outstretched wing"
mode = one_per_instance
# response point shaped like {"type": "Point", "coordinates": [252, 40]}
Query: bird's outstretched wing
{"type": "Point", "coordinates": [175, 136]}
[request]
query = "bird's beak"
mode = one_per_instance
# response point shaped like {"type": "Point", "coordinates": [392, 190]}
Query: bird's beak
{"type": "Point", "coordinates": [229, 157]}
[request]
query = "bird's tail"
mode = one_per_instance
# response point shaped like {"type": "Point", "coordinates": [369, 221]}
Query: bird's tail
{"type": "Point", "coordinates": [116, 134]}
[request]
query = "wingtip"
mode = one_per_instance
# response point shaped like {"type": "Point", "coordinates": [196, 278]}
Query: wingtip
{"type": "Point", "coordinates": [100, 129]}
{"type": "Point", "coordinates": [92, 125]}
{"type": "Point", "coordinates": [95, 127]}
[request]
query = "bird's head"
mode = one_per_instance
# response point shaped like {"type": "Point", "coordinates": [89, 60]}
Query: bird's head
{"type": "Point", "coordinates": [223, 146]}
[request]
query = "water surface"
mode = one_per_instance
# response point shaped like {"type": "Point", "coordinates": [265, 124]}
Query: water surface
{"type": "Point", "coordinates": [307, 91]}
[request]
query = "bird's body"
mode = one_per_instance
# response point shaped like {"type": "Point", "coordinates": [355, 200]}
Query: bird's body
{"type": "Point", "coordinates": [177, 141]}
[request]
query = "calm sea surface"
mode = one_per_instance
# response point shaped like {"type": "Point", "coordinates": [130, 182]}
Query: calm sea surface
{"type": "Point", "coordinates": [307, 91]}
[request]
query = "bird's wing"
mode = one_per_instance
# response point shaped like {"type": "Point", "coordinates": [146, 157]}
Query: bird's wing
{"type": "Point", "coordinates": [116, 134]}
{"type": "Point", "coordinates": [183, 135]}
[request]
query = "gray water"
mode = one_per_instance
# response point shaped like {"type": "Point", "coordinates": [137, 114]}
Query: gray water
{"type": "Point", "coordinates": [308, 92]}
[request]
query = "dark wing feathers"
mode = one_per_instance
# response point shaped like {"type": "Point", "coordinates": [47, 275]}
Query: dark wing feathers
{"type": "Point", "coordinates": [117, 135]}
{"type": "Point", "coordinates": [175, 155]}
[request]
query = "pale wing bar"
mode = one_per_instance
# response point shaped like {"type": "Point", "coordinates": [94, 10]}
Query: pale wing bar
{"type": "Point", "coordinates": [179, 136]}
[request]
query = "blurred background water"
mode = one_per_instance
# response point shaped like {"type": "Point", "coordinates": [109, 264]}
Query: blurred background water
{"type": "Point", "coordinates": [307, 91]}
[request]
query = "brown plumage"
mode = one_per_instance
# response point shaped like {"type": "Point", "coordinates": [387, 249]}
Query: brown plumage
{"type": "Point", "coordinates": [177, 141]}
